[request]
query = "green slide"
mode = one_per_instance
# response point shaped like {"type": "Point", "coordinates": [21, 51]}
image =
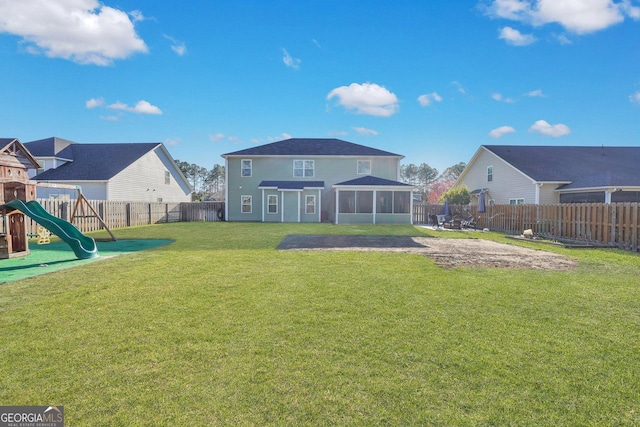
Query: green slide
{"type": "Point", "coordinates": [83, 246]}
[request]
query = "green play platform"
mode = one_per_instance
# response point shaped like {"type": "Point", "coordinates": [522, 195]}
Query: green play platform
{"type": "Point", "coordinates": [58, 256]}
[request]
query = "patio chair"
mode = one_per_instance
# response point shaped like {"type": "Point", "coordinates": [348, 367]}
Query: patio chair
{"type": "Point", "coordinates": [454, 223]}
{"type": "Point", "coordinates": [470, 222]}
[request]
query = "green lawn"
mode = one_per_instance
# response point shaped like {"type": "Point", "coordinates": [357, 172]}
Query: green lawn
{"type": "Point", "coordinates": [219, 328]}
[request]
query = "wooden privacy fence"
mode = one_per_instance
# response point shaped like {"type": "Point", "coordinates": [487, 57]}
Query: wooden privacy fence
{"type": "Point", "coordinates": [615, 224]}
{"type": "Point", "coordinates": [128, 214]}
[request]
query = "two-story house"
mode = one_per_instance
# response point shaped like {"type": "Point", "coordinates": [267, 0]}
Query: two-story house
{"type": "Point", "coordinates": [515, 174]}
{"type": "Point", "coordinates": [143, 172]}
{"type": "Point", "coordinates": [316, 180]}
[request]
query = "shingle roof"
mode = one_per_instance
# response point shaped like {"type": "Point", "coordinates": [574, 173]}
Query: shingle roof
{"type": "Point", "coordinates": [311, 147]}
{"type": "Point", "coordinates": [374, 181]}
{"type": "Point", "coordinates": [583, 167]}
{"type": "Point", "coordinates": [292, 185]}
{"type": "Point", "coordinates": [48, 147]}
{"type": "Point", "coordinates": [95, 162]}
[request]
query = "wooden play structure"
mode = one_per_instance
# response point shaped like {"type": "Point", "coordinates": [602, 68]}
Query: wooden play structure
{"type": "Point", "coordinates": [15, 161]}
{"type": "Point", "coordinates": [17, 198]}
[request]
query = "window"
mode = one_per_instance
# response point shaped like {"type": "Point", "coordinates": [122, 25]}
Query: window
{"type": "Point", "coordinates": [490, 173]}
{"type": "Point", "coordinates": [347, 202]}
{"type": "Point", "coordinates": [303, 168]}
{"type": "Point", "coordinates": [384, 202]}
{"type": "Point", "coordinates": [310, 204]}
{"type": "Point", "coordinates": [246, 204]}
{"type": "Point", "coordinates": [272, 204]}
{"type": "Point", "coordinates": [516, 201]}
{"type": "Point", "coordinates": [246, 167]}
{"type": "Point", "coordinates": [167, 177]}
{"type": "Point", "coordinates": [364, 201]}
{"type": "Point", "coordinates": [364, 167]}
{"type": "Point", "coordinates": [401, 202]}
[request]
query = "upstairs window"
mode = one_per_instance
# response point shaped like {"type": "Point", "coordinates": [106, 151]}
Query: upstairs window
{"type": "Point", "coordinates": [364, 167]}
{"type": "Point", "coordinates": [303, 168]}
{"type": "Point", "coordinates": [490, 173]}
{"type": "Point", "coordinates": [246, 167]}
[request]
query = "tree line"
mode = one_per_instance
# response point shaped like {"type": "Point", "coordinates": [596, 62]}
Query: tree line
{"type": "Point", "coordinates": [207, 184]}
{"type": "Point", "coordinates": [431, 186]}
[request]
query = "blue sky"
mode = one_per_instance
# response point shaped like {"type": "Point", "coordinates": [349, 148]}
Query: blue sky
{"type": "Point", "coordinates": [429, 80]}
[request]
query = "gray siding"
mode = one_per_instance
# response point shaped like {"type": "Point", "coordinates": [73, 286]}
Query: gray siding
{"type": "Point", "coordinates": [331, 170]}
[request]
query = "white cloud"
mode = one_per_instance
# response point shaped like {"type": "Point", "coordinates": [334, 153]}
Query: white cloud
{"type": "Point", "coordinates": [177, 46]}
{"type": "Point", "coordinates": [536, 94]}
{"type": "Point", "coordinates": [83, 31]}
{"type": "Point", "coordinates": [172, 142]}
{"type": "Point", "coordinates": [543, 127]}
{"type": "Point", "coordinates": [216, 137]}
{"type": "Point", "coordinates": [635, 97]}
{"type": "Point", "coordinates": [459, 87]}
{"type": "Point", "coordinates": [501, 131]}
{"type": "Point", "coordinates": [137, 16]}
{"type": "Point", "coordinates": [289, 60]}
{"type": "Point", "coordinates": [498, 97]}
{"type": "Point", "coordinates": [94, 102]}
{"type": "Point", "coordinates": [141, 107]}
{"type": "Point", "coordinates": [110, 118]}
{"type": "Point", "coordinates": [576, 16]}
{"type": "Point", "coordinates": [515, 37]}
{"type": "Point", "coordinates": [427, 99]}
{"type": "Point", "coordinates": [280, 137]}
{"type": "Point", "coordinates": [366, 98]}
{"type": "Point", "coordinates": [315, 42]}
{"type": "Point", "coordinates": [365, 131]}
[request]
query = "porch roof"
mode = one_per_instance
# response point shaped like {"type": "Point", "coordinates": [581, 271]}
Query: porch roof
{"type": "Point", "coordinates": [291, 185]}
{"type": "Point", "coordinates": [373, 181]}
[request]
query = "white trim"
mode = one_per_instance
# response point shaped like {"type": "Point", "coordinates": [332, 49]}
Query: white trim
{"type": "Point", "coordinates": [299, 206]}
{"type": "Point", "coordinates": [319, 206]}
{"type": "Point", "coordinates": [304, 175]}
{"type": "Point", "coordinates": [358, 169]}
{"type": "Point", "coordinates": [263, 205]}
{"type": "Point", "coordinates": [269, 204]}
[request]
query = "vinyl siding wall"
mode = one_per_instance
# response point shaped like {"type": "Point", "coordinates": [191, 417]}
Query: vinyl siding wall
{"type": "Point", "coordinates": [144, 180]}
{"type": "Point", "coordinates": [508, 183]}
{"type": "Point", "coordinates": [331, 170]}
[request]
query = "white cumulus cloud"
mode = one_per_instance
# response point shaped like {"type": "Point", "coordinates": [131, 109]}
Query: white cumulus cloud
{"type": "Point", "coordinates": [515, 37]}
{"type": "Point", "coordinates": [94, 102]}
{"type": "Point", "coordinates": [543, 127]}
{"type": "Point", "coordinates": [576, 16]}
{"type": "Point", "coordinates": [365, 131]}
{"type": "Point", "coordinates": [535, 94]}
{"type": "Point", "coordinates": [429, 98]}
{"type": "Point", "coordinates": [83, 31]}
{"type": "Point", "coordinates": [141, 107]}
{"type": "Point", "coordinates": [498, 97]}
{"type": "Point", "coordinates": [366, 98]}
{"type": "Point", "coordinates": [501, 131]}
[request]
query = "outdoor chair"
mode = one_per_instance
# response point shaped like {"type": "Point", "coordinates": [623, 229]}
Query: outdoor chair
{"type": "Point", "coordinates": [471, 222]}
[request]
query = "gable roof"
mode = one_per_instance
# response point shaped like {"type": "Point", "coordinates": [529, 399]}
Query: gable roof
{"type": "Point", "coordinates": [48, 147]}
{"type": "Point", "coordinates": [582, 167]}
{"type": "Point", "coordinates": [369, 180]}
{"type": "Point", "coordinates": [292, 185]}
{"type": "Point", "coordinates": [93, 162]}
{"type": "Point", "coordinates": [311, 147]}
{"type": "Point", "coordinates": [13, 153]}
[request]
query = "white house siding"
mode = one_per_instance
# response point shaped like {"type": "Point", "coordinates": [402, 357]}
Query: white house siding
{"type": "Point", "coordinates": [548, 196]}
{"type": "Point", "coordinates": [330, 169]}
{"type": "Point", "coordinates": [144, 180]}
{"type": "Point", "coordinates": [508, 183]}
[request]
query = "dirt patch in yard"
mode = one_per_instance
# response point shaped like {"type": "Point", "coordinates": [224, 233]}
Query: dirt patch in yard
{"type": "Point", "coordinates": [448, 253]}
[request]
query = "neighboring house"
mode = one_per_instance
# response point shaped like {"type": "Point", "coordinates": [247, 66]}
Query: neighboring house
{"type": "Point", "coordinates": [512, 174]}
{"type": "Point", "coordinates": [314, 180]}
{"type": "Point", "coordinates": [120, 172]}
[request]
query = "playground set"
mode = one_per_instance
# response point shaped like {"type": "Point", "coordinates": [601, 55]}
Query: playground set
{"type": "Point", "coordinates": [18, 200]}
